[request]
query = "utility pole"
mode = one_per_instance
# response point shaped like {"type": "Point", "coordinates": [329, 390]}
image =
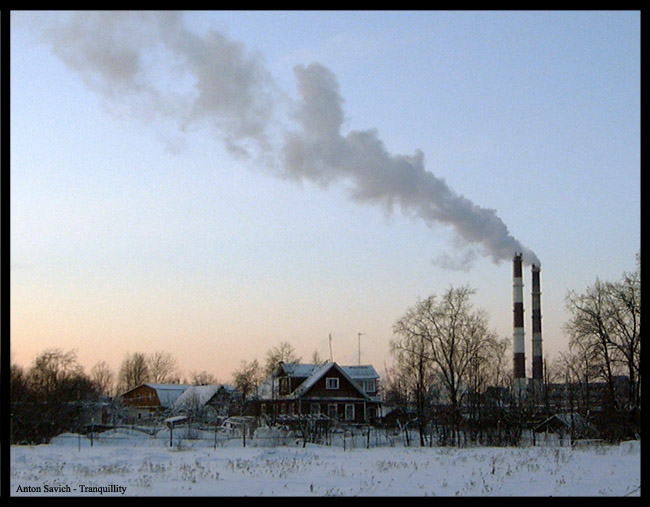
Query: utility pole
{"type": "Point", "coordinates": [359, 338]}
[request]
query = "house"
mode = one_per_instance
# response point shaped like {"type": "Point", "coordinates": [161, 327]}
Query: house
{"type": "Point", "coordinates": [208, 401]}
{"type": "Point", "coordinates": [148, 400]}
{"type": "Point", "coordinates": [566, 424]}
{"type": "Point", "coordinates": [339, 393]}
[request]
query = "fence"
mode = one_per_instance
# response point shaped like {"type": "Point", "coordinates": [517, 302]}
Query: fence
{"type": "Point", "coordinates": [190, 437]}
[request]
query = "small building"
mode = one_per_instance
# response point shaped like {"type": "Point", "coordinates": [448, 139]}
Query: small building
{"type": "Point", "coordinates": [339, 393]}
{"type": "Point", "coordinates": [148, 400]}
{"type": "Point", "coordinates": [566, 425]}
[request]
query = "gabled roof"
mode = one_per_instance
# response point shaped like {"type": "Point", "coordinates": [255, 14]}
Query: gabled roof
{"type": "Point", "coordinates": [167, 393]}
{"type": "Point", "coordinates": [200, 395]}
{"type": "Point", "coordinates": [298, 370]}
{"type": "Point", "coordinates": [313, 372]}
{"type": "Point", "coordinates": [361, 372]}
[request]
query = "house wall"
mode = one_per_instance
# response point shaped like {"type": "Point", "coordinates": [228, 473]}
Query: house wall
{"type": "Point", "coordinates": [327, 401]}
{"type": "Point", "coordinates": [141, 397]}
{"type": "Point", "coordinates": [345, 390]}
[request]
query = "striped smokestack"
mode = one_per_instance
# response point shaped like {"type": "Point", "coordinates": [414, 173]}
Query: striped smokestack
{"type": "Point", "coordinates": [537, 326]}
{"type": "Point", "coordinates": [518, 323]}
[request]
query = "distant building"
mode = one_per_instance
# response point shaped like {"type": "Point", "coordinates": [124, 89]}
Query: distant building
{"type": "Point", "coordinates": [148, 400]}
{"type": "Point", "coordinates": [208, 402]}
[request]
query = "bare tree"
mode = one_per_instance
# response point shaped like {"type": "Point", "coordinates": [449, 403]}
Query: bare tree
{"type": "Point", "coordinates": [102, 378]}
{"type": "Point", "coordinates": [316, 358]}
{"type": "Point", "coordinates": [162, 368]}
{"type": "Point", "coordinates": [624, 313]}
{"type": "Point", "coordinates": [247, 379]}
{"type": "Point", "coordinates": [605, 325]}
{"type": "Point", "coordinates": [134, 371]}
{"type": "Point", "coordinates": [412, 375]}
{"type": "Point", "coordinates": [451, 336]}
{"type": "Point", "coordinates": [201, 378]}
{"type": "Point", "coordinates": [50, 398]}
{"type": "Point", "coordinates": [282, 353]}
{"type": "Point", "coordinates": [52, 367]}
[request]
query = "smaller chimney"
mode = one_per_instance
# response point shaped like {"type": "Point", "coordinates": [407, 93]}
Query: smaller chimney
{"type": "Point", "coordinates": [537, 326]}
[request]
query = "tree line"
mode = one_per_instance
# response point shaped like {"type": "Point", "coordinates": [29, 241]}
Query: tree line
{"type": "Point", "coordinates": [49, 397]}
{"type": "Point", "coordinates": [451, 376]}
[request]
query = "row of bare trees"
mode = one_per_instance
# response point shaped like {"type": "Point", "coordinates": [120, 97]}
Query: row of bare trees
{"type": "Point", "coordinates": [453, 374]}
{"type": "Point", "coordinates": [49, 397]}
{"type": "Point", "coordinates": [604, 333]}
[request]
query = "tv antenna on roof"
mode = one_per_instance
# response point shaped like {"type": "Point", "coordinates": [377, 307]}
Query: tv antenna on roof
{"type": "Point", "coordinates": [359, 338]}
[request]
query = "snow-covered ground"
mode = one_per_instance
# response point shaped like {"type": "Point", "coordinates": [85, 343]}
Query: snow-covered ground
{"type": "Point", "coordinates": [124, 463]}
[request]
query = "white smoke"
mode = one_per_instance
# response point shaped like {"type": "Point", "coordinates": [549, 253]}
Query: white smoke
{"type": "Point", "coordinates": [210, 78]}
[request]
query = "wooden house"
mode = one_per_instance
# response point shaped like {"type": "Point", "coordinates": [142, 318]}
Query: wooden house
{"type": "Point", "coordinates": [148, 400]}
{"type": "Point", "coordinates": [339, 393]}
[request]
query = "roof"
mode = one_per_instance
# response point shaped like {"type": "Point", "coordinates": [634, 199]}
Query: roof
{"type": "Point", "coordinates": [361, 372]}
{"type": "Point", "coordinates": [167, 393]}
{"type": "Point", "coordinates": [196, 395]}
{"type": "Point", "coordinates": [567, 420]}
{"type": "Point", "coordinates": [313, 372]}
{"type": "Point", "coordinates": [200, 394]}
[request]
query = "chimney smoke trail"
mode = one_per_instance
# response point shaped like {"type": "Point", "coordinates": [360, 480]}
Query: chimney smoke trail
{"type": "Point", "coordinates": [150, 63]}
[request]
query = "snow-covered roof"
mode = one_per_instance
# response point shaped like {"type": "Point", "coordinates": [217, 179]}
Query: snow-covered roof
{"type": "Point", "coordinates": [168, 393]}
{"type": "Point", "coordinates": [362, 372]}
{"type": "Point", "coordinates": [201, 394]}
{"type": "Point", "coordinates": [313, 372]}
{"type": "Point", "coordinates": [196, 395]}
{"type": "Point", "coordinates": [299, 370]}
{"type": "Point", "coordinates": [317, 373]}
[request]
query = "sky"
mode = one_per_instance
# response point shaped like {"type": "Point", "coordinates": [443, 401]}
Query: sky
{"type": "Point", "coordinates": [214, 183]}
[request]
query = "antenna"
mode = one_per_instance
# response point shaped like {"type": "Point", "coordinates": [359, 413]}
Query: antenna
{"type": "Point", "coordinates": [331, 358]}
{"type": "Point", "coordinates": [359, 338]}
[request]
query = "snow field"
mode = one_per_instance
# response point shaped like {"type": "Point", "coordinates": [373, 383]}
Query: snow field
{"type": "Point", "coordinates": [149, 467]}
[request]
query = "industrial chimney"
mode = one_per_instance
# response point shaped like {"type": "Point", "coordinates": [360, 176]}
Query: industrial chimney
{"type": "Point", "coordinates": [518, 325]}
{"type": "Point", "coordinates": [537, 328]}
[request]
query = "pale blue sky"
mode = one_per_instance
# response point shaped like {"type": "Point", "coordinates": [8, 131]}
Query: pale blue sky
{"type": "Point", "coordinates": [133, 228]}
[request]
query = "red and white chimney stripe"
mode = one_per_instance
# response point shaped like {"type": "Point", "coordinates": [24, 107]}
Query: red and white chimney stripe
{"type": "Point", "coordinates": [518, 322]}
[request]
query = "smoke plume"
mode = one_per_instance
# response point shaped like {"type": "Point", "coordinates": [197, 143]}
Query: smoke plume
{"type": "Point", "coordinates": [150, 64]}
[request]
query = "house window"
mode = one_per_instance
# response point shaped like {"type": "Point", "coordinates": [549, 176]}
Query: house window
{"type": "Point", "coordinates": [314, 409]}
{"type": "Point", "coordinates": [369, 386]}
{"type": "Point", "coordinates": [284, 385]}
{"type": "Point", "coordinates": [332, 411]}
{"type": "Point", "coordinates": [349, 411]}
{"type": "Point", "coordinates": [331, 383]}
